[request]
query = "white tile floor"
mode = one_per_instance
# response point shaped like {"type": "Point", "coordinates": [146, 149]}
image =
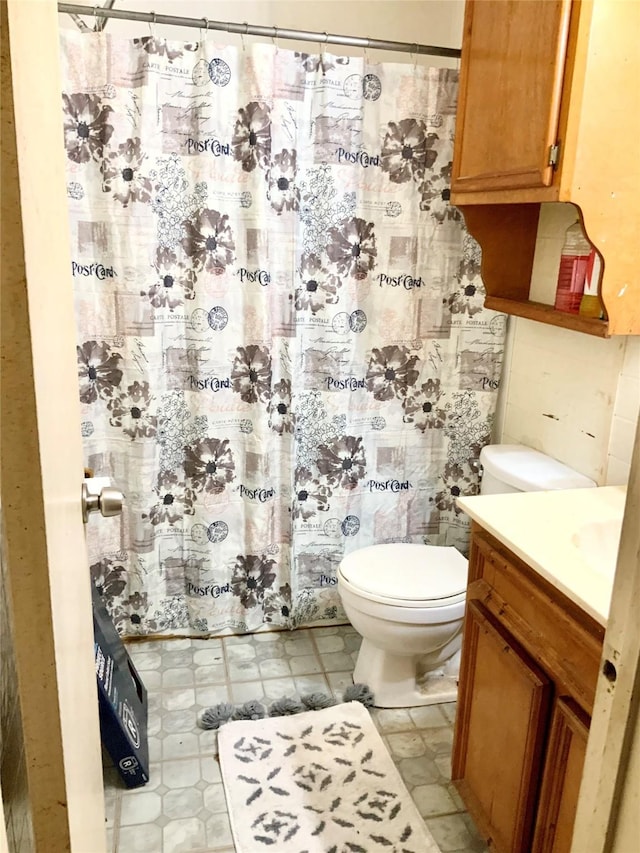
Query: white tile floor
{"type": "Point", "coordinates": [183, 808]}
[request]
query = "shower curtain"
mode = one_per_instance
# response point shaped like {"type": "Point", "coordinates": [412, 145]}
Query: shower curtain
{"type": "Point", "coordinates": [282, 349]}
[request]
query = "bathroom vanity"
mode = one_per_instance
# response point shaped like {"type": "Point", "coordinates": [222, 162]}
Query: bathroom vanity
{"type": "Point", "coordinates": [537, 604]}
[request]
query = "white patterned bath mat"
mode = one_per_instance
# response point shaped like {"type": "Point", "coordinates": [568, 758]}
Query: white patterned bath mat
{"type": "Point", "coordinates": [317, 782]}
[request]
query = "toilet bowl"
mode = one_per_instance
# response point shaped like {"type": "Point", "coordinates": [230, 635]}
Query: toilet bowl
{"type": "Point", "coordinates": [407, 600]}
{"type": "Point", "coordinates": [405, 634]}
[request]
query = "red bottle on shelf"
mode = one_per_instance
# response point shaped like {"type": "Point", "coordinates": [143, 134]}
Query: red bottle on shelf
{"type": "Point", "coordinates": [574, 261]}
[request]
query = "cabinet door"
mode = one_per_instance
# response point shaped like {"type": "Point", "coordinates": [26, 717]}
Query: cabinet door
{"type": "Point", "coordinates": [502, 718]}
{"type": "Point", "coordinates": [513, 55]}
{"type": "Point", "coordinates": [561, 780]}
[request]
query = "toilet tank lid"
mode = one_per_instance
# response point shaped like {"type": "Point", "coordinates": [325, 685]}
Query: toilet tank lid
{"type": "Point", "coordinates": [406, 571]}
{"type": "Point", "coordinates": [529, 470]}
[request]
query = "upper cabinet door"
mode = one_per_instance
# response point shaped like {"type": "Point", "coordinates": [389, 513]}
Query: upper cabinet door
{"type": "Point", "coordinates": [513, 58]}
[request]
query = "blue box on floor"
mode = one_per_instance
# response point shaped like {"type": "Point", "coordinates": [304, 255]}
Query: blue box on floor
{"type": "Point", "coordinates": [122, 700]}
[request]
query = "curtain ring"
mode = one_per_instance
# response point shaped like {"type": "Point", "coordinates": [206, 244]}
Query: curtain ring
{"type": "Point", "coordinates": [242, 35]}
{"type": "Point", "coordinates": [326, 39]}
{"type": "Point", "coordinates": [274, 37]}
{"type": "Point", "coordinates": [417, 53]}
{"type": "Point", "coordinates": [205, 21]}
{"type": "Point", "coordinates": [365, 54]}
{"type": "Point", "coordinates": [152, 24]}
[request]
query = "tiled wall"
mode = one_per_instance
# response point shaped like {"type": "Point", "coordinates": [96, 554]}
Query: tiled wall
{"type": "Point", "coordinates": [625, 415]}
{"type": "Point", "coordinates": [570, 395]}
{"type": "Point", "coordinates": [13, 770]}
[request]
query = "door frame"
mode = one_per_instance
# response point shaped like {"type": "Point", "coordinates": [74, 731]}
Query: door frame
{"type": "Point", "coordinates": [42, 463]}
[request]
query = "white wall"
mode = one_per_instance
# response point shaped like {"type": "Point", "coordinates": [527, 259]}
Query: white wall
{"type": "Point", "coordinates": [437, 22]}
{"type": "Point", "coordinates": [559, 392]}
{"type": "Point", "coordinates": [625, 415]}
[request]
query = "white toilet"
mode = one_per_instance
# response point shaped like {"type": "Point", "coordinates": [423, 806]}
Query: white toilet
{"type": "Point", "coordinates": [407, 601]}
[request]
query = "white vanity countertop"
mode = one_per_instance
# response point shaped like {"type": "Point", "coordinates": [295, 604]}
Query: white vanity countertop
{"type": "Point", "coordinates": [569, 537]}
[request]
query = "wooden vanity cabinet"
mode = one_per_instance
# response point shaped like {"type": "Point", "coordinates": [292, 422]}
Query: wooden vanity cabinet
{"type": "Point", "coordinates": [549, 111]}
{"type": "Point", "coordinates": [530, 661]}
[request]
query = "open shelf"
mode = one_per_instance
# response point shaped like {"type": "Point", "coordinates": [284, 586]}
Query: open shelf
{"type": "Point", "coordinates": [548, 314]}
{"type": "Point", "coordinates": [507, 236]}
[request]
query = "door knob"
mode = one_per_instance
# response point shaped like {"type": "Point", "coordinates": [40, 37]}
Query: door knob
{"type": "Point", "coordinates": [108, 502]}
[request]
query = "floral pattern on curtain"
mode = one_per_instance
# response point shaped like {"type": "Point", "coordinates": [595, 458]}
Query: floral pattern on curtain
{"type": "Point", "coordinates": [282, 349]}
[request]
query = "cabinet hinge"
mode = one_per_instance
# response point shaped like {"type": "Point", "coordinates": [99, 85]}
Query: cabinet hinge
{"type": "Point", "coordinates": [554, 155]}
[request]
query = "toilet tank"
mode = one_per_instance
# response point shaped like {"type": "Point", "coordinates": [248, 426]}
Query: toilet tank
{"type": "Point", "coordinates": [516, 468]}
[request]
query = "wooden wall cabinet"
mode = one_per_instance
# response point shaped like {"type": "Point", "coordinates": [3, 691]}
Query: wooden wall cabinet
{"type": "Point", "coordinates": [548, 111]}
{"type": "Point", "coordinates": [530, 662]}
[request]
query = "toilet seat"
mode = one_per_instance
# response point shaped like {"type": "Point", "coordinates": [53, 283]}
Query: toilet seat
{"type": "Point", "coordinates": [406, 575]}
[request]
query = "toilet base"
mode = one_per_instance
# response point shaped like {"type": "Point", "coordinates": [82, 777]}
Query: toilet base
{"type": "Point", "coordinates": [392, 679]}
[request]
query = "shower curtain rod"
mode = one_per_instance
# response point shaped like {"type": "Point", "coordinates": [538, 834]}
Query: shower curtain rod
{"type": "Point", "coordinates": [101, 12]}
